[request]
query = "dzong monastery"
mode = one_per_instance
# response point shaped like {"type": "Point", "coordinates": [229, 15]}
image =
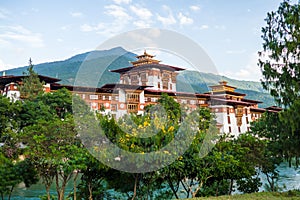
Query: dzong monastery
{"type": "Point", "coordinates": [143, 82]}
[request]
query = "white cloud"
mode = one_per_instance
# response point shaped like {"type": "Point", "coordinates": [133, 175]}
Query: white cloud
{"type": "Point", "coordinates": [117, 12]}
{"type": "Point", "coordinates": [141, 24]}
{"type": "Point", "coordinates": [119, 22]}
{"type": "Point", "coordinates": [142, 13]}
{"type": "Point", "coordinates": [122, 1]}
{"type": "Point", "coordinates": [250, 72]}
{"type": "Point", "coordinates": [184, 20]}
{"type": "Point", "coordinates": [169, 19]}
{"type": "Point", "coordinates": [195, 8]}
{"type": "Point", "coordinates": [144, 16]}
{"type": "Point", "coordinates": [76, 14]}
{"type": "Point", "coordinates": [5, 66]}
{"type": "Point", "coordinates": [166, 20]}
{"type": "Point", "coordinates": [203, 27]}
{"type": "Point", "coordinates": [89, 28]}
{"type": "Point", "coordinates": [12, 34]}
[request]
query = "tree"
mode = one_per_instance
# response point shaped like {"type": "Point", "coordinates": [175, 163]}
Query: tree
{"type": "Point", "coordinates": [31, 85]}
{"type": "Point", "coordinates": [274, 148]}
{"type": "Point", "coordinates": [51, 139]}
{"type": "Point", "coordinates": [281, 68]}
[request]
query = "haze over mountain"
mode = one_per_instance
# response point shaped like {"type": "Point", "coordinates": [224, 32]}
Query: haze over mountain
{"type": "Point", "coordinates": [100, 62]}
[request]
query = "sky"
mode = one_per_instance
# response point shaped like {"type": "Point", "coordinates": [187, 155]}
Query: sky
{"type": "Point", "coordinates": [45, 31]}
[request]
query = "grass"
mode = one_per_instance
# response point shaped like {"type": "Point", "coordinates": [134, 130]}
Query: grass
{"type": "Point", "coordinates": [290, 195]}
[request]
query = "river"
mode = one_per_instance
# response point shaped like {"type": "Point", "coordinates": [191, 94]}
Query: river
{"type": "Point", "coordinates": [289, 179]}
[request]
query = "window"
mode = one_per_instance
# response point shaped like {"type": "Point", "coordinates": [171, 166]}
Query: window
{"type": "Point", "coordinates": [170, 86]}
{"type": "Point", "coordinates": [113, 107]}
{"type": "Point", "coordinates": [239, 121]}
{"type": "Point", "coordinates": [134, 78]}
{"type": "Point", "coordinates": [228, 119]}
{"type": "Point", "coordinates": [132, 107]}
{"type": "Point", "coordinates": [153, 99]}
{"type": "Point", "coordinates": [93, 96]}
{"type": "Point", "coordinates": [158, 85]}
{"type": "Point", "coordinates": [239, 129]}
{"type": "Point", "coordinates": [115, 98]}
{"type": "Point", "coordinates": [247, 121]}
{"type": "Point", "coordinates": [126, 80]}
{"type": "Point", "coordinates": [165, 85]}
{"type": "Point", "coordinates": [229, 129]}
{"type": "Point", "coordinates": [143, 77]}
{"type": "Point", "coordinates": [192, 102]}
{"type": "Point", "coordinates": [201, 102]}
{"type": "Point", "coordinates": [133, 97]}
{"type": "Point", "coordinates": [184, 101]}
{"type": "Point", "coordinates": [83, 96]}
{"type": "Point", "coordinates": [228, 111]}
{"type": "Point", "coordinates": [165, 76]}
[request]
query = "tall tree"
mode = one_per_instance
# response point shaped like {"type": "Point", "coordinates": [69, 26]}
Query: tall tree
{"type": "Point", "coordinates": [280, 58]}
{"type": "Point", "coordinates": [280, 65]}
{"type": "Point", "coordinates": [31, 85]}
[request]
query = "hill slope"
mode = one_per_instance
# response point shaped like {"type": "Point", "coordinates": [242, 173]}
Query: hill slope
{"type": "Point", "coordinates": [100, 62]}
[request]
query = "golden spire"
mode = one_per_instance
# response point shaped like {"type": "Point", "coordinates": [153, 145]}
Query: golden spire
{"type": "Point", "coordinates": [145, 59]}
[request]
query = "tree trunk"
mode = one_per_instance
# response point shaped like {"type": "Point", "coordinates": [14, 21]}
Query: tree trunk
{"type": "Point", "coordinates": [12, 188]}
{"type": "Point", "coordinates": [57, 185]}
{"type": "Point", "coordinates": [197, 189]}
{"type": "Point", "coordinates": [172, 188]}
{"type": "Point", "coordinates": [48, 192]}
{"type": "Point", "coordinates": [75, 179]}
{"type": "Point", "coordinates": [60, 190]}
{"type": "Point", "coordinates": [90, 191]}
{"type": "Point", "coordinates": [186, 189]}
{"type": "Point", "coordinates": [135, 186]}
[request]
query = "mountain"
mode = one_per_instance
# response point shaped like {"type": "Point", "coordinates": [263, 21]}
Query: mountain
{"type": "Point", "coordinates": [90, 65]}
{"type": "Point", "coordinates": [194, 81]}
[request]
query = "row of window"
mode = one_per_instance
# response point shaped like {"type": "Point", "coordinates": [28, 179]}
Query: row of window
{"type": "Point", "coordinates": [191, 102]}
{"type": "Point", "coordinates": [239, 129]}
{"type": "Point", "coordinates": [99, 97]}
{"type": "Point", "coordinates": [239, 120]}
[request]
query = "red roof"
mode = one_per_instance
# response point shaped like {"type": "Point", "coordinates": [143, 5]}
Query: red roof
{"type": "Point", "coordinates": [146, 66]}
{"type": "Point", "coordinates": [232, 102]}
{"type": "Point", "coordinates": [10, 78]}
{"type": "Point", "coordinates": [184, 94]}
{"type": "Point", "coordinates": [229, 92]}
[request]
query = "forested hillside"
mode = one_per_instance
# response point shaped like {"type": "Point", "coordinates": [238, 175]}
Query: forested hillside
{"type": "Point", "coordinates": [106, 60]}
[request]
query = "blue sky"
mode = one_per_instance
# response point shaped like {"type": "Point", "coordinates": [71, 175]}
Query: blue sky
{"type": "Point", "coordinates": [229, 31]}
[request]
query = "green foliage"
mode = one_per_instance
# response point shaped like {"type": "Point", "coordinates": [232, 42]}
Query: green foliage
{"type": "Point", "coordinates": [14, 172]}
{"type": "Point", "coordinates": [171, 107]}
{"type": "Point", "coordinates": [31, 85]}
{"type": "Point", "coordinates": [281, 45]}
{"type": "Point", "coordinates": [9, 176]}
{"type": "Point", "coordinates": [93, 180]}
{"type": "Point", "coordinates": [249, 185]}
{"type": "Point", "coordinates": [8, 112]}
{"type": "Point", "coordinates": [275, 147]}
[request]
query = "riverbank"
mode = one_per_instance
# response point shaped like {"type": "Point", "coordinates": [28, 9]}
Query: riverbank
{"type": "Point", "coordinates": [289, 195]}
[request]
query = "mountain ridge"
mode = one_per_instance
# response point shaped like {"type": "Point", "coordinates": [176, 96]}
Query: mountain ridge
{"type": "Point", "coordinates": [102, 61]}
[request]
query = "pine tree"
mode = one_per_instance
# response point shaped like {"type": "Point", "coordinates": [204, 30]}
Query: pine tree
{"type": "Point", "coordinates": [31, 85]}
